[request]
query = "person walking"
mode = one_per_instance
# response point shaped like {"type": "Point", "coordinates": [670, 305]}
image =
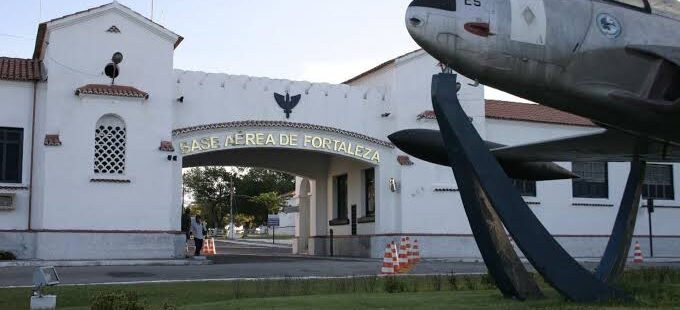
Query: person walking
{"type": "Point", "coordinates": [197, 229]}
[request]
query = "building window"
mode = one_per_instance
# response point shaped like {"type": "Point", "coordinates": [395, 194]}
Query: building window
{"type": "Point", "coordinates": [593, 181]}
{"type": "Point", "coordinates": [658, 182]}
{"type": "Point", "coordinates": [525, 188]}
{"type": "Point", "coordinates": [11, 153]}
{"type": "Point", "coordinates": [369, 191]}
{"type": "Point", "coordinates": [109, 146]}
{"type": "Point", "coordinates": [341, 197]}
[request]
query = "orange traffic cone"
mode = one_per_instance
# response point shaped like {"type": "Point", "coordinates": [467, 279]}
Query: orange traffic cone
{"type": "Point", "coordinates": [209, 248]}
{"type": "Point", "coordinates": [395, 257]}
{"type": "Point", "coordinates": [214, 248]}
{"type": "Point", "coordinates": [403, 256]}
{"type": "Point", "coordinates": [414, 254]}
{"type": "Point", "coordinates": [204, 250]}
{"type": "Point", "coordinates": [416, 250]}
{"type": "Point", "coordinates": [388, 264]}
{"type": "Point", "coordinates": [638, 259]}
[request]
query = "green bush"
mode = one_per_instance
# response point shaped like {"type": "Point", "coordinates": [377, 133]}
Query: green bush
{"type": "Point", "coordinates": [5, 255]}
{"type": "Point", "coordinates": [168, 306]}
{"type": "Point", "coordinates": [394, 285]}
{"type": "Point", "coordinates": [117, 300]}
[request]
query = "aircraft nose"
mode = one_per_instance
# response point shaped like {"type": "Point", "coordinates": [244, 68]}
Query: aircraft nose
{"type": "Point", "coordinates": [415, 21]}
{"type": "Point", "coordinates": [418, 12]}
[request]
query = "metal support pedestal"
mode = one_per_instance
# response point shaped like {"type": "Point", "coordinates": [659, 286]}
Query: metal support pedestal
{"type": "Point", "coordinates": [500, 257]}
{"type": "Point", "coordinates": [466, 149]}
{"type": "Point", "coordinates": [614, 259]}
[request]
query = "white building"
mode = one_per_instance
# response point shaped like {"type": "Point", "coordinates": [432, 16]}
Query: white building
{"type": "Point", "coordinates": [91, 170]}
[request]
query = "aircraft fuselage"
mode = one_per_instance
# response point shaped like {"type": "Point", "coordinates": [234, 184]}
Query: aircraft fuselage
{"type": "Point", "coordinates": [577, 56]}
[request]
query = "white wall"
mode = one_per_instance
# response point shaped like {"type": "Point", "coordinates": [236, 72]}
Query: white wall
{"type": "Point", "coordinates": [557, 210]}
{"type": "Point", "coordinates": [16, 104]}
{"type": "Point", "coordinates": [77, 52]}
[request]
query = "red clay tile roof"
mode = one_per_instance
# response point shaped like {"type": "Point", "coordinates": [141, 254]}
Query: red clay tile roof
{"type": "Point", "coordinates": [111, 90]}
{"type": "Point", "coordinates": [18, 69]}
{"type": "Point", "coordinates": [525, 112]}
{"type": "Point", "coordinates": [52, 140]}
{"type": "Point", "coordinates": [532, 113]}
{"type": "Point", "coordinates": [166, 146]}
{"type": "Point", "coordinates": [429, 114]}
{"type": "Point", "coordinates": [404, 160]}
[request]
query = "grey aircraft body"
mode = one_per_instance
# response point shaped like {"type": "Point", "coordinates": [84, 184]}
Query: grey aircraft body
{"type": "Point", "coordinates": [616, 62]}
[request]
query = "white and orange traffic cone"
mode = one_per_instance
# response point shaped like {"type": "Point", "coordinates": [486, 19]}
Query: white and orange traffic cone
{"type": "Point", "coordinates": [204, 250]}
{"type": "Point", "coordinates": [414, 254]}
{"type": "Point", "coordinates": [395, 257]}
{"type": "Point", "coordinates": [403, 256]}
{"type": "Point", "coordinates": [209, 247]}
{"type": "Point", "coordinates": [388, 265]}
{"type": "Point", "coordinates": [638, 259]}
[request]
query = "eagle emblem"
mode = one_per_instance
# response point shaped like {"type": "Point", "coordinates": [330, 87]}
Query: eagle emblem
{"type": "Point", "coordinates": [609, 25]}
{"type": "Point", "coordinates": [287, 103]}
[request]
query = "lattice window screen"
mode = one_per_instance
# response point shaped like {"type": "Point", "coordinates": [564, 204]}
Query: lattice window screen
{"type": "Point", "coordinates": [109, 145]}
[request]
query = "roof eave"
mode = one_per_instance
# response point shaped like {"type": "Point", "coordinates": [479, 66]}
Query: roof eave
{"type": "Point", "coordinates": [38, 51]}
{"type": "Point", "coordinates": [39, 41]}
{"type": "Point", "coordinates": [380, 67]}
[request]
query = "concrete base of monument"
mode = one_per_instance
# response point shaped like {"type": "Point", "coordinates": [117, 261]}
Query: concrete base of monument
{"type": "Point", "coordinates": [45, 302]}
{"type": "Point", "coordinates": [94, 245]}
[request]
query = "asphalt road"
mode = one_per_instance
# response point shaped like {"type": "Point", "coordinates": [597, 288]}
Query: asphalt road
{"type": "Point", "coordinates": [233, 261]}
{"type": "Point", "coordinates": [237, 261]}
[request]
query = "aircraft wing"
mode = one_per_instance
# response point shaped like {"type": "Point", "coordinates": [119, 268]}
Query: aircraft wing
{"type": "Point", "coordinates": [607, 145]}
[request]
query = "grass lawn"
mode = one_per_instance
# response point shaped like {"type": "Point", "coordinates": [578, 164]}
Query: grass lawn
{"type": "Point", "coordinates": [657, 289]}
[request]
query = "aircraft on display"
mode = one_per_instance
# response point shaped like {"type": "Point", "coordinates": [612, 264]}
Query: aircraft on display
{"type": "Point", "coordinates": [616, 62]}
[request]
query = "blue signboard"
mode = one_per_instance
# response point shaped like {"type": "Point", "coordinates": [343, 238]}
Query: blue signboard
{"type": "Point", "coordinates": [273, 220]}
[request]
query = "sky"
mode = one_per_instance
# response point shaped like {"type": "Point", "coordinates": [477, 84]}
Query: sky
{"type": "Point", "coordinates": [312, 40]}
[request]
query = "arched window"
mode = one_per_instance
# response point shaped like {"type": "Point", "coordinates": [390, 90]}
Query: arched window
{"type": "Point", "coordinates": [109, 145]}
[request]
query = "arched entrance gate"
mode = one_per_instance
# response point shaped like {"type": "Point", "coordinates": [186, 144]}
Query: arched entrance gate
{"type": "Point", "coordinates": [342, 168]}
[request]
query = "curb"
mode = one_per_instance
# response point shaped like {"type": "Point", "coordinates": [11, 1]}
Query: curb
{"type": "Point", "coordinates": [263, 244]}
{"type": "Point", "coordinates": [93, 263]}
{"type": "Point", "coordinates": [217, 280]}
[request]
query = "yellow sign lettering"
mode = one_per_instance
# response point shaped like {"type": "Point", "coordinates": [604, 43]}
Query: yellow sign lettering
{"type": "Point", "coordinates": [251, 139]}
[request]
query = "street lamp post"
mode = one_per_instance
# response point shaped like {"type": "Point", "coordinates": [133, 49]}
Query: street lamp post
{"type": "Point", "coordinates": [650, 210]}
{"type": "Point", "coordinates": [232, 190]}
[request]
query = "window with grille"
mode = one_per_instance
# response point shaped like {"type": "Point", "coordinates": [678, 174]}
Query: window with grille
{"type": "Point", "coordinates": [593, 181]}
{"type": "Point", "coordinates": [109, 146]}
{"type": "Point", "coordinates": [11, 150]}
{"type": "Point", "coordinates": [658, 182]}
{"type": "Point", "coordinates": [525, 188]}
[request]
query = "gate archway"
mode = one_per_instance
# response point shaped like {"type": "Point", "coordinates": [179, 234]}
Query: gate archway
{"type": "Point", "coordinates": [315, 154]}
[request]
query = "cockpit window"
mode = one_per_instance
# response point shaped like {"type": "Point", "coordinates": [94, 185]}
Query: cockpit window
{"type": "Point", "coordinates": [641, 5]}
{"type": "Point", "coordinates": [448, 5]}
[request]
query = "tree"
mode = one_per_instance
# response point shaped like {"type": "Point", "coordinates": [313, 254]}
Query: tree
{"type": "Point", "coordinates": [210, 189]}
{"type": "Point", "coordinates": [272, 201]}
{"type": "Point", "coordinates": [255, 181]}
